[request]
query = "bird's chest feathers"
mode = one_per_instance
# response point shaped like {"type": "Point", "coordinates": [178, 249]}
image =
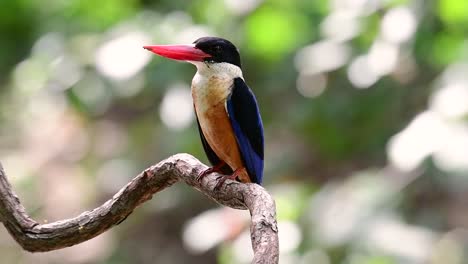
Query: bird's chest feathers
{"type": "Point", "coordinates": [212, 84]}
{"type": "Point", "coordinates": [209, 92]}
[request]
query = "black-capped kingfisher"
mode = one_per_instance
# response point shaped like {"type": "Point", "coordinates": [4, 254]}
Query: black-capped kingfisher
{"type": "Point", "coordinates": [227, 112]}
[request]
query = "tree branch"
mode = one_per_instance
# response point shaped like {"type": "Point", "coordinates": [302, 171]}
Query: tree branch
{"type": "Point", "coordinates": [35, 237]}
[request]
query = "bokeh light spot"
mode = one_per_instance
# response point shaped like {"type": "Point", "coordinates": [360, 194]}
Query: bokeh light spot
{"type": "Point", "coordinates": [176, 109]}
{"type": "Point", "coordinates": [383, 57]}
{"type": "Point", "coordinates": [311, 85]}
{"type": "Point", "coordinates": [426, 133]}
{"type": "Point", "coordinates": [340, 25]}
{"type": "Point", "coordinates": [290, 236]}
{"type": "Point", "coordinates": [271, 32]}
{"type": "Point", "coordinates": [322, 56]}
{"type": "Point", "coordinates": [123, 57]}
{"type": "Point", "coordinates": [453, 11]}
{"type": "Point", "coordinates": [242, 7]}
{"type": "Point", "coordinates": [451, 100]}
{"type": "Point", "coordinates": [360, 73]}
{"type": "Point", "coordinates": [398, 24]}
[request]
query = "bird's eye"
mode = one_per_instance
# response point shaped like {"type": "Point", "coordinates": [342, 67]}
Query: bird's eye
{"type": "Point", "coordinates": [217, 48]}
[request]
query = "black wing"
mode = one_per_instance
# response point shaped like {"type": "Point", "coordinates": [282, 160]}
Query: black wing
{"type": "Point", "coordinates": [247, 124]}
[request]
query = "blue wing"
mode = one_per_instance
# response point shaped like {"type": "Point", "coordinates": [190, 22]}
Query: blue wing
{"type": "Point", "coordinates": [247, 124]}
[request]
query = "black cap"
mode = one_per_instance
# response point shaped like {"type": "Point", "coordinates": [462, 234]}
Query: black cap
{"type": "Point", "coordinates": [221, 50]}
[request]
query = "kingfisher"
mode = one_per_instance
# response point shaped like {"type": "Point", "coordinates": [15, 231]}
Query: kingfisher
{"type": "Point", "coordinates": [227, 112]}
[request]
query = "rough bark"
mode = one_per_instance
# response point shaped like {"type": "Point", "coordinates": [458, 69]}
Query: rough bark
{"type": "Point", "coordinates": [36, 237]}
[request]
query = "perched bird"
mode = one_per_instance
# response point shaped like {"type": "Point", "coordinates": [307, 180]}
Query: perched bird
{"type": "Point", "coordinates": [227, 112]}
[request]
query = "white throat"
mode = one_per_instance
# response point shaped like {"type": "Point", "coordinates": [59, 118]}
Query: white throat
{"type": "Point", "coordinates": [220, 70]}
{"type": "Point", "coordinates": [212, 83]}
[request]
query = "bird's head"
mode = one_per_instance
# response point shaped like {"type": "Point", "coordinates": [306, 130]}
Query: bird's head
{"type": "Point", "coordinates": [210, 50]}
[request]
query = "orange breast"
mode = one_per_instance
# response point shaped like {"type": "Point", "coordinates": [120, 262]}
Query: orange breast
{"type": "Point", "coordinates": [216, 126]}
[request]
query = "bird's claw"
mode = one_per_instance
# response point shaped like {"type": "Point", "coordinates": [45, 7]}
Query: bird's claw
{"type": "Point", "coordinates": [216, 168]}
{"type": "Point", "coordinates": [223, 179]}
{"type": "Point", "coordinates": [220, 183]}
{"type": "Point", "coordinates": [203, 173]}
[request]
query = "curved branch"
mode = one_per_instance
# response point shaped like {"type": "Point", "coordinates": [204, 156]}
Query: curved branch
{"type": "Point", "coordinates": [36, 237]}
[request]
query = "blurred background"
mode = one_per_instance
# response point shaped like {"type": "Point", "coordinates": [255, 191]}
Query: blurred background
{"type": "Point", "coordinates": [364, 102]}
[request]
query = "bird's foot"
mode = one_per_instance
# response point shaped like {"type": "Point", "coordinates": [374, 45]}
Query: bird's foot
{"type": "Point", "coordinates": [233, 177]}
{"type": "Point", "coordinates": [216, 168]}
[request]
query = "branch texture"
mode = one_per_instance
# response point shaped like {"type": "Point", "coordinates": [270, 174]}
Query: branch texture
{"type": "Point", "coordinates": [36, 237]}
